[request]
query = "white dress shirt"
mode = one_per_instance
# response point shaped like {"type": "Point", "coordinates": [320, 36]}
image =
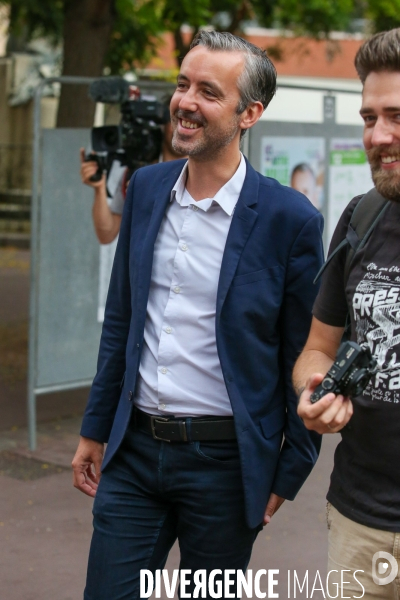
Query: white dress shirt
{"type": "Point", "coordinates": [180, 373]}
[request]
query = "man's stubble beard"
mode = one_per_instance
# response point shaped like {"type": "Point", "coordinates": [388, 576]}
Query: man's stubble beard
{"type": "Point", "coordinates": [211, 144]}
{"type": "Point", "coordinates": [386, 182]}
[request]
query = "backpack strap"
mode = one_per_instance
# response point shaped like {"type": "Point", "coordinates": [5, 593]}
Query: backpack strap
{"type": "Point", "coordinates": [366, 215]}
{"type": "Point", "coordinates": [370, 208]}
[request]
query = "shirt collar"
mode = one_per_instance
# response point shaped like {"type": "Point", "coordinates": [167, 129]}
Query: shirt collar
{"type": "Point", "coordinates": [226, 197]}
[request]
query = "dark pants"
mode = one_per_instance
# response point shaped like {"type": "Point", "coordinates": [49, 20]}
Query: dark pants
{"type": "Point", "coordinates": [154, 492]}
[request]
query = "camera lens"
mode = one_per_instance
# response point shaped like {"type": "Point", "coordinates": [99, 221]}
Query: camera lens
{"type": "Point", "coordinates": [111, 137]}
{"type": "Point", "coordinates": [359, 381]}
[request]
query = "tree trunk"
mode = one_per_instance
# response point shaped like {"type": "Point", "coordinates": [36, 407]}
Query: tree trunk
{"type": "Point", "coordinates": [87, 30]}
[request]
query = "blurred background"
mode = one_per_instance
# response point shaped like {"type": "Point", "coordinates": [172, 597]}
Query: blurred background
{"type": "Point", "coordinates": [313, 45]}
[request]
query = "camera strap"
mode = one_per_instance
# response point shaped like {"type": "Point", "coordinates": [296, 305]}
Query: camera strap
{"type": "Point", "coordinates": [368, 211]}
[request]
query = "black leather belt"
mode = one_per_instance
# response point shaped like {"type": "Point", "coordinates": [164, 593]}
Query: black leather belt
{"type": "Point", "coordinates": [190, 429]}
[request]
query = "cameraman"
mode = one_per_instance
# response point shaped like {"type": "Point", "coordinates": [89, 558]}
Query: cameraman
{"type": "Point", "coordinates": [364, 495]}
{"type": "Point", "coordinates": [107, 216]}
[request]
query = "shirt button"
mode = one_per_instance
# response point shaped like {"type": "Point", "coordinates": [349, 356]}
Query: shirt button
{"type": "Point", "coordinates": [177, 289]}
{"type": "Point", "coordinates": [168, 329]}
{"type": "Point", "coordinates": [162, 407]}
{"type": "Point", "coordinates": [195, 207]}
{"type": "Point", "coordinates": [164, 370]}
{"type": "Point", "coordinates": [184, 247]}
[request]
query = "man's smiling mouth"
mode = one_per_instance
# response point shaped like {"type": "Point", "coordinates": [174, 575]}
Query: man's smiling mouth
{"type": "Point", "coordinates": [189, 124]}
{"type": "Point", "coordinates": [389, 159]}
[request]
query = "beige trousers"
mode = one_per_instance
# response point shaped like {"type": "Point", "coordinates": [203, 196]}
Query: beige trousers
{"type": "Point", "coordinates": [352, 548]}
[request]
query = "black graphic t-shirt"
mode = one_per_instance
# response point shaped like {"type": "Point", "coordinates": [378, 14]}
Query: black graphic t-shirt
{"type": "Point", "coordinates": [365, 482]}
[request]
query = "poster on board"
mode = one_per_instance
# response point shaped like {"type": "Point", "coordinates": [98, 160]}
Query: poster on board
{"type": "Point", "coordinates": [349, 176]}
{"type": "Point", "coordinates": [298, 162]}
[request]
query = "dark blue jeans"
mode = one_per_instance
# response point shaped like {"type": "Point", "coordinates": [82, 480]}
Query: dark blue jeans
{"type": "Point", "coordinates": [154, 492]}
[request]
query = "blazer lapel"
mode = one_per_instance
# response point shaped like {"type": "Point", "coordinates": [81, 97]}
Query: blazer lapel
{"type": "Point", "coordinates": [243, 220]}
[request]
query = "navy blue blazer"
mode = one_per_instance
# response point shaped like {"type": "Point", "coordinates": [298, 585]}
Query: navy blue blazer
{"type": "Point", "coordinates": [263, 313]}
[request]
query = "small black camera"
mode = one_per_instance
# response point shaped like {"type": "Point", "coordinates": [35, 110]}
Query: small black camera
{"type": "Point", "coordinates": [350, 373]}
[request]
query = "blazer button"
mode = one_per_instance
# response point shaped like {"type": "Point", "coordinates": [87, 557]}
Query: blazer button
{"type": "Point", "coordinates": [130, 396]}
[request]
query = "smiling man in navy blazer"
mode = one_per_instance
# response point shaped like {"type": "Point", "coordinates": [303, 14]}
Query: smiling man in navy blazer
{"type": "Point", "coordinates": [209, 306]}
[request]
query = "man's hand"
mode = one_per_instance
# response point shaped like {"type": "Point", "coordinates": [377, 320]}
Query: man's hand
{"type": "Point", "coordinates": [328, 415]}
{"type": "Point", "coordinates": [273, 505]}
{"type": "Point", "coordinates": [86, 466]}
{"type": "Point", "coordinates": [88, 169]}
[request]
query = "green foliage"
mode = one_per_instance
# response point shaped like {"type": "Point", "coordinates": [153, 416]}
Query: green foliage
{"type": "Point", "coordinates": [32, 18]}
{"type": "Point", "coordinates": [314, 17]}
{"type": "Point", "coordinates": [384, 14]}
{"type": "Point", "coordinates": [191, 12]}
{"type": "Point", "coordinates": [139, 23]}
{"type": "Point", "coordinates": [135, 32]}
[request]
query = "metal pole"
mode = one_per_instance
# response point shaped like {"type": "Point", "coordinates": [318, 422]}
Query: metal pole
{"type": "Point", "coordinates": [35, 261]}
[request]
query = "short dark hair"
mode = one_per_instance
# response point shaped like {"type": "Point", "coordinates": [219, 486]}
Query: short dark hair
{"type": "Point", "coordinates": [257, 82]}
{"type": "Point", "coordinates": [379, 53]}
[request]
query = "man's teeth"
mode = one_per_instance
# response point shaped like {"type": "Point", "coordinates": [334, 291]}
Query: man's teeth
{"type": "Point", "coordinates": [389, 159]}
{"type": "Point", "coordinates": [189, 125]}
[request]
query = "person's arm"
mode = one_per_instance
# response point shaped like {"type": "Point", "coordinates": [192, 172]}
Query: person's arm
{"type": "Point", "coordinates": [331, 413]}
{"type": "Point", "coordinates": [300, 447]}
{"type": "Point", "coordinates": [106, 223]}
{"type": "Point", "coordinates": [106, 389]}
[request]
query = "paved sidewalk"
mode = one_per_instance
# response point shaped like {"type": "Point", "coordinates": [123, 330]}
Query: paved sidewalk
{"type": "Point", "coordinates": [45, 524]}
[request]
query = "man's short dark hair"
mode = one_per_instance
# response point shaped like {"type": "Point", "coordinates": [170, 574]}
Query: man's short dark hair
{"type": "Point", "coordinates": [257, 82]}
{"type": "Point", "coordinates": [379, 53]}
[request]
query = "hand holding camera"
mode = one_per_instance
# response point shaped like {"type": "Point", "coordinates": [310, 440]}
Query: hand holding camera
{"type": "Point", "coordinates": [325, 404]}
{"type": "Point", "coordinates": [92, 169]}
{"type": "Point", "coordinates": [350, 373]}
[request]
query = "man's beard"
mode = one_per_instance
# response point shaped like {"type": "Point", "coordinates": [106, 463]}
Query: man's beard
{"type": "Point", "coordinates": [386, 182]}
{"type": "Point", "coordinates": [212, 141]}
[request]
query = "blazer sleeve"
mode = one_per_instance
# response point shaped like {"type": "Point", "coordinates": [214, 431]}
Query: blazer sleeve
{"type": "Point", "coordinates": [106, 388]}
{"type": "Point", "coordinates": [301, 447]}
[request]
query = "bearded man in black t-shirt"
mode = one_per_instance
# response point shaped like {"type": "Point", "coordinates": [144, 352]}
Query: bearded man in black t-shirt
{"type": "Point", "coordinates": [364, 495]}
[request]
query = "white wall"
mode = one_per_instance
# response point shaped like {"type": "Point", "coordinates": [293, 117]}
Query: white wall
{"type": "Point", "coordinates": [307, 105]}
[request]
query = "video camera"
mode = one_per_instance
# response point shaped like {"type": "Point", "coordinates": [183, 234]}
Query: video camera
{"type": "Point", "coordinates": [350, 373]}
{"type": "Point", "coordinates": [137, 140]}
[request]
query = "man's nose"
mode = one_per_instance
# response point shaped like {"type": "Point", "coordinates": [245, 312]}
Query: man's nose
{"type": "Point", "coordinates": [188, 101]}
{"type": "Point", "coordinates": [382, 133]}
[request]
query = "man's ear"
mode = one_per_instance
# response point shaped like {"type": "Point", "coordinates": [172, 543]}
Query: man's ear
{"type": "Point", "coordinates": [251, 114]}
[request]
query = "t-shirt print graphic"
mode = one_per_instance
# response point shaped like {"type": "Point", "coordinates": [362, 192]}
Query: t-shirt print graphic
{"type": "Point", "coordinates": [376, 310]}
